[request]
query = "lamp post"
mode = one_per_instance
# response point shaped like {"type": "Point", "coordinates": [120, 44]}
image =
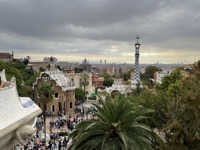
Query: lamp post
{"type": "Point", "coordinates": [44, 115]}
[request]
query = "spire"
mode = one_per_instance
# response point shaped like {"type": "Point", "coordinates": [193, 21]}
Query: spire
{"type": "Point", "coordinates": [136, 79]}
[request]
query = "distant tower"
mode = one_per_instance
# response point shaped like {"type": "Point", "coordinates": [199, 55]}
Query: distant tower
{"type": "Point", "coordinates": [100, 62]}
{"type": "Point", "coordinates": [136, 83]}
{"type": "Point", "coordinates": [105, 62]}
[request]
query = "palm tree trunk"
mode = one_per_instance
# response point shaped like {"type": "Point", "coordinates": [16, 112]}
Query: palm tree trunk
{"type": "Point", "coordinates": [84, 89]}
{"type": "Point", "coordinates": [44, 114]}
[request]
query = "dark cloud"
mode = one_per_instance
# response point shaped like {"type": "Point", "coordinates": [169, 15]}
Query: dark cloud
{"type": "Point", "coordinates": [98, 27]}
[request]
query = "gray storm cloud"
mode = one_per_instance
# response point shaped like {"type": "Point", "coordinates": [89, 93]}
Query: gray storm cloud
{"type": "Point", "coordinates": [99, 27]}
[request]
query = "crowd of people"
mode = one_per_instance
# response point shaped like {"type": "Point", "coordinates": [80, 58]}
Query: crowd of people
{"type": "Point", "coordinates": [57, 137]}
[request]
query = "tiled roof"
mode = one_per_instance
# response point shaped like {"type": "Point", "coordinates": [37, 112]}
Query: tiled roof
{"type": "Point", "coordinates": [7, 55]}
{"type": "Point", "coordinates": [60, 79]}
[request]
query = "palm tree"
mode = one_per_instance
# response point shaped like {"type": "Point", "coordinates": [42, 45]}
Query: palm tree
{"type": "Point", "coordinates": [118, 127]}
{"type": "Point", "coordinates": [84, 80]}
{"type": "Point", "coordinates": [45, 92]}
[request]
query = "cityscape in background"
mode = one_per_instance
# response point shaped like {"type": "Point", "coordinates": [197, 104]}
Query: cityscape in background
{"type": "Point", "coordinates": [99, 75]}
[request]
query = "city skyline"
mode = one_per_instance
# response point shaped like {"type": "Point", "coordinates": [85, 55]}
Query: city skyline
{"type": "Point", "coordinates": [101, 30]}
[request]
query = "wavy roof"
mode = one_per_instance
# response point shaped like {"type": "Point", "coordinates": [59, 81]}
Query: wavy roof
{"type": "Point", "coordinates": [61, 80]}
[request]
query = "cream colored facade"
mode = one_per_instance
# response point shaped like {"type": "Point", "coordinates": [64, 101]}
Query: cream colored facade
{"type": "Point", "coordinates": [76, 77]}
{"type": "Point", "coordinates": [37, 65]}
{"type": "Point", "coordinates": [159, 75]}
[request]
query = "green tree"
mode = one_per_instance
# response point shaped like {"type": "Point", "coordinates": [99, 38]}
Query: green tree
{"type": "Point", "coordinates": [183, 115]}
{"type": "Point", "coordinates": [118, 127]}
{"type": "Point", "coordinates": [197, 69]}
{"type": "Point", "coordinates": [11, 72]}
{"type": "Point", "coordinates": [24, 77]}
{"type": "Point", "coordinates": [125, 77]}
{"type": "Point", "coordinates": [84, 80]}
{"type": "Point", "coordinates": [32, 79]}
{"type": "Point", "coordinates": [79, 95]}
{"type": "Point", "coordinates": [45, 92]}
{"type": "Point", "coordinates": [19, 65]}
{"type": "Point", "coordinates": [25, 72]}
{"type": "Point", "coordinates": [181, 97]}
{"type": "Point", "coordinates": [170, 79]}
{"type": "Point", "coordinates": [149, 72]}
{"type": "Point", "coordinates": [26, 89]}
{"type": "Point", "coordinates": [26, 60]}
{"type": "Point", "coordinates": [105, 75]}
{"type": "Point", "coordinates": [28, 77]}
{"type": "Point", "coordinates": [108, 82]}
{"type": "Point", "coordinates": [150, 100]}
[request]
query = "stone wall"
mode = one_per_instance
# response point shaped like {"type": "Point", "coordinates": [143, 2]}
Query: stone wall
{"type": "Point", "coordinates": [62, 103]}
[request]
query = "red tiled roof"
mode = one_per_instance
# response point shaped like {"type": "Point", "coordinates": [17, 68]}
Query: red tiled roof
{"type": "Point", "coordinates": [7, 55]}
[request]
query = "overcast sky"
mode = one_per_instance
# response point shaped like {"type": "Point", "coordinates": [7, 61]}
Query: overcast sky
{"type": "Point", "coordinates": [72, 30]}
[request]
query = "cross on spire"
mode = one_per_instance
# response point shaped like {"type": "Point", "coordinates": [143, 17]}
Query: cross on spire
{"type": "Point", "coordinates": [137, 38]}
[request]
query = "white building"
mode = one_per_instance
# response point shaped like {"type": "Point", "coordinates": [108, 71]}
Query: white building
{"type": "Point", "coordinates": [118, 87]}
{"type": "Point", "coordinates": [159, 75]}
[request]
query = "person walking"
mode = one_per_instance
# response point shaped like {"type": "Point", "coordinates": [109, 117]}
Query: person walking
{"type": "Point", "coordinates": [59, 145]}
{"type": "Point", "coordinates": [65, 141]}
{"type": "Point", "coordinates": [54, 146]}
{"type": "Point", "coordinates": [49, 146]}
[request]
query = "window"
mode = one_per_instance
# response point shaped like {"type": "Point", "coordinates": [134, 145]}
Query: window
{"type": "Point", "coordinates": [72, 82]}
{"type": "Point", "coordinates": [52, 85]}
{"type": "Point", "coordinates": [80, 85]}
{"type": "Point", "coordinates": [64, 106]}
{"type": "Point", "coordinates": [45, 77]}
{"type": "Point", "coordinates": [52, 108]}
{"type": "Point", "coordinates": [56, 95]}
{"type": "Point", "coordinates": [38, 95]}
{"type": "Point", "coordinates": [70, 105]}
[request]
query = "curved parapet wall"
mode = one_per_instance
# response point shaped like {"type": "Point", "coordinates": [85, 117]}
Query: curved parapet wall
{"type": "Point", "coordinates": [2, 75]}
{"type": "Point", "coordinates": [16, 115]}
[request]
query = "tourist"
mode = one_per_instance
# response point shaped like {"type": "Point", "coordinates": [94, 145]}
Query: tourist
{"type": "Point", "coordinates": [17, 147]}
{"type": "Point", "coordinates": [59, 144]}
{"type": "Point", "coordinates": [49, 146]}
{"type": "Point", "coordinates": [65, 141]}
{"type": "Point", "coordinates": [54, 146]}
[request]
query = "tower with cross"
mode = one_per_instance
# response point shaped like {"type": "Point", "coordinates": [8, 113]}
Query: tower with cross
{"type": "Point", "coordinates": [136, 83]}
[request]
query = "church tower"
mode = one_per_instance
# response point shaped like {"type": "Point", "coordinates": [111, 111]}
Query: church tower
{"type": "Point", "coordinates": [136, 83]}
